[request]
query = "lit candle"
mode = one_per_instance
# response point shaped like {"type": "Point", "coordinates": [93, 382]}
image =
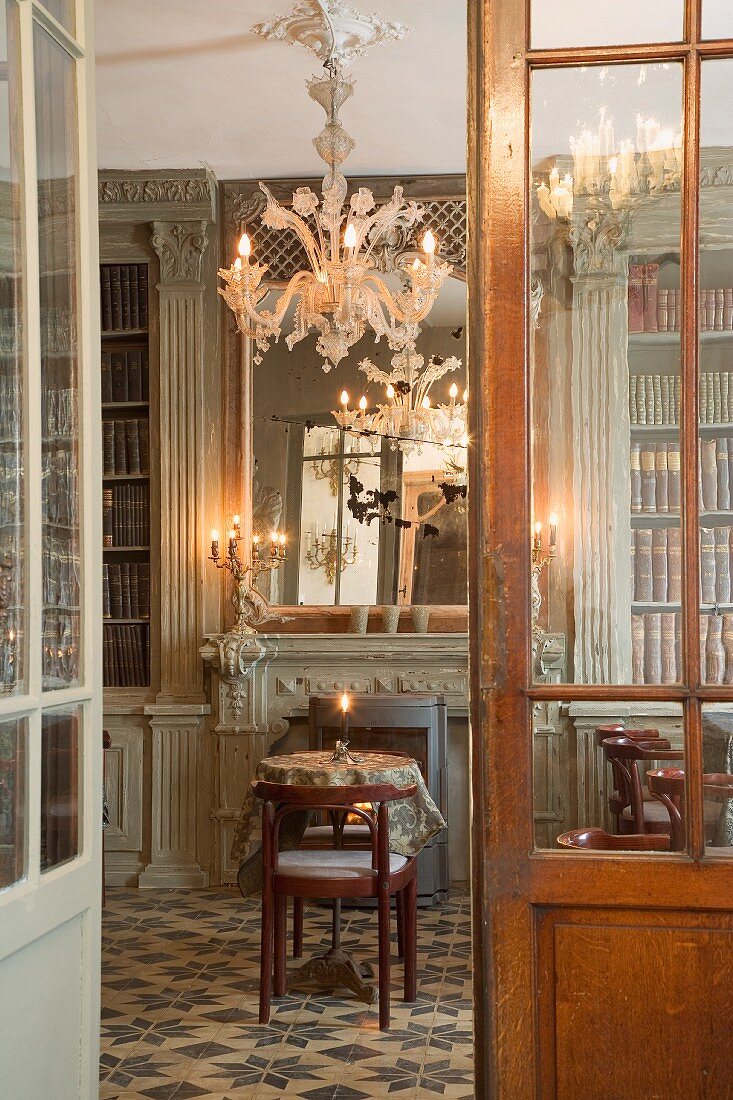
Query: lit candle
{"type": "Point", "coordinates": [245, 247]}
{"type": "Point", "coordinates": [274, 544]}
{"type": "Point", "coordinates": [232, 543]}
{"type": "Point", "coordinates": [426, 402]}
{"type": "Point", "coordinates": [553, 532]}
{"type": "Point", "coordinates": [350, 237]}
{"type": "Point", "coordinates": [362, 404]}
{"type": "Point", "coordinates": [281, 547]}
{"type": "Point", "coordinates": [344, 399]}
{"type": "Point", "coordinates": [543, 197]}
{"type": "Point", "coordinates": [256, 547]}
{"type": "Point", "coordinates": [537, 543]}
{"type": "Point", "coordinates": [344, 716]}
{"type": "Point", "coordinates": [428, 244]}
{"type": "Point", "coordinates": [390, 392]}
{"type": "Point", "coordinates": [453, 391]}
{"type": "Point", "coordinates": [214, 543]}
{"type": "Point", "coordinates": [235, 523]}
{"type": "Point", "coordinates": [554, 178]}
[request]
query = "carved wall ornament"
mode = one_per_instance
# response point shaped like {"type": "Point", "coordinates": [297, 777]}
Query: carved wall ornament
{"type": "Point", "coordinates": [598, 243]}
{"type": "Point", "coordinates": [536, 294]}
{"type": "Point", "coordinates": [331, 28]}
{"type": "Point", "coordinates": [180, 246]}
{"type": "Point", "coordinates": [187, 190]}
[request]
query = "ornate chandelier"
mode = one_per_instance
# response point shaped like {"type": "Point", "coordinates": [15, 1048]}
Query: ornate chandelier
{"type": "Point", "coordinates": [408, 418]}
{"type": "Point", "coordinates": [341, 293]}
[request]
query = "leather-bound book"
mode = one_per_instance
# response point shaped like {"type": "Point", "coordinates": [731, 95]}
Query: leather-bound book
{"type": "Point", "coordinates": [125, 293]}
{"type": "Point", "coordinates": [135, 374]}
{"type": "Point", "coordinates": [721, 457]}
{"type": "Point", "coordinates": [650, 408]}
{"type": "Point", "coordinates": [651, 286]}
{"type": "Point", "coordinates": [667, 398]}
{"type": "Point", "coordinates": [106, 602]}
{"type": "Point", "coordinates": [653, 648]}
{"type": "Point", "coordinates": [144, 585]}
{"type": "Point", "coordinates": [133, 447]}
{"type": "Point", "coordinates": [678, 641]}
{"type": "Point", "coordinates": [633, 411]}
{"type": "Point", "coordinates": [659, 565]}
{"type": "Point", "coordinates": [633, 563]}
{"type": "Point", "coordinates": [709, 310]}
{"type": "Point", "coordinates": [658, 413]}
{"type": "Point", "coordinates": [674, 491]}
{"type": "Point", "coordinates": [677, 398]}
{"type": "Point", "coordinates": [106, 378]}
{"type": "Point", "coordinates": [119, 376]}
{"type": "Point", "coordinates": [106, 297]}
{"type": "Point", "coordinates": [134, 591]}
{"type": "Point", "coordinates": [702, 398]}
{"type": "Point", "coordinates": [662, 310]}
{"type": "Point", "coordinates": [107, 518]}
{"type": "Point", "coordinates": [669, 657]}
{"type": "Point", "coordinates": [709, 470]}
{"type": "Point", "coordinates": [714, 651]}
{"type": "Point", "coordinates": [115, 589]}
{"type": "Point", "coordinates": [134, 296]}
{"type": "Point", "coordinates": [728, 309]}
{"type": "Point", "coordinates": [146, 376]}
{"type": "Point", "coordinates": [725, 397]}
{"type": "Point", "coordinates": [703, 645]}
{"type": "Point", "coordinates": [142, 282]}
{"type": "Point", "coordinates": [717, 403]}
{"type": "Point", "coordinates": [125, 581]}
{"type": "Point", "coordinates": [674, 564]}
{"type": "Point", "coordinates": [722, 564]}
{"type": "Point", "coordinates": [636, 297]}
{"type": "Point", "coordinates": [661, 479]}
{"type": "Point", "coordinates": [120, 436]}
{"type": "Point", "coordinates": [643, 587]}
{"type": "Point", "coordinates": [637, 649]}
{"type": "Point", "coordinates": [648, 479]}
{"type": "Point", "coordinates": [116, 290]}
{"type": "Point", "coordinates": [108, 446]}
{"type": "Point", "coordinates": [672, 325]}
{"type": "Point", "coordinates": [710, 411]}
{"type": "Point", "coordinates": [707, 564]}
{"type": "Point", "coordinates": [636, 477]}
{"type": "Point", "coordinates": [719, 308]}
{"type": "Point", "coordinates": [640, 387]}
{"type": "Point", "coordinates": [728, 648]}
{"type": "Point", "coordinates": [144, 443]}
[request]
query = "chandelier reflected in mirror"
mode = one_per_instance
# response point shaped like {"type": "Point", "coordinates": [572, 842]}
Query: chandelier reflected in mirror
{"type": "Point", "coordinates": [341, 294]}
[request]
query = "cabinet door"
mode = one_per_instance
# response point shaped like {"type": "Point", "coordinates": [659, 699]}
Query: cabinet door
{"type": "Point", "coordinates": [50, 551]}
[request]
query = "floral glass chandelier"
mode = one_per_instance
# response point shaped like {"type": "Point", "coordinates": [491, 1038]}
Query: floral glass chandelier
{"type": "Point", "coordinates": [408, 418]}
{"type": "Point", "coordinates": [340, 294]}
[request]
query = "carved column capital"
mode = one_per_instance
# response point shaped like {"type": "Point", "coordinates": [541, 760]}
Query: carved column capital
{"type": "Point", "coordinates": [599, 244]}
{"type": "Point", "coordinates": [180, 247]}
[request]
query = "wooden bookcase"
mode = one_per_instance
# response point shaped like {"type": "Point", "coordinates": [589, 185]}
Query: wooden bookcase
{"type": "Point", "coordinates": [127, 467]}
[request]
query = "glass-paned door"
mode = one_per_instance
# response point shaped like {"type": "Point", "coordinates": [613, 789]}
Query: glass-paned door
{"type": "Point", "coordinates": [50, 551]}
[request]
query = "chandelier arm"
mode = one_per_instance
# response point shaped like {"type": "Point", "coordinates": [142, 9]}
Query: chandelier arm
{"type": "Point", "coordinates": [284, 301]}
{"type": "Point", "coordinates": [383, 292]}
{"type": "Point", "coordinates": [289, 219]}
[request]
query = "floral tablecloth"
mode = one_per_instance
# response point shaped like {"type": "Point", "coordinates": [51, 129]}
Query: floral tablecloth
{"type": "Point", "coordinates": [412, 821]}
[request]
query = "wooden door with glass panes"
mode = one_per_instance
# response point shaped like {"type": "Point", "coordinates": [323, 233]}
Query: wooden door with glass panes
{"type": "Point", "coordinates": [602, 547]}
{"type": "Point", "coordinates": [50, 553]}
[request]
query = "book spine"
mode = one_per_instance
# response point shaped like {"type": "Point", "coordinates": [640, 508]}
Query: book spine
{"type": "Point", "coordinates": [135, 374]}
{"type": "Point", "coordinates": [106, 600]}
{"type": "Point", "coordinates": [116, 290]}
{"type": "Point", "coordinates": [703, 398]}
{"type": "Point", "coordinates": [108, 446]}
{"type": "Point", "coordinates": [721, 455]}
{"type": "Point", "coordinates": [120, 445]}
{"type": "Point", "coordinates": [106, 377]}
{"type": "Point", "coordinates": [710, 411]}
{"type": "Point", "coordinates": [657, 383]}
{"type": "Point", "coordinates": [144, 442]}
{"type": "Point", "coordinates": [133, 447]}
{"type": "Point", "coordinates": [636, 499]}
{"type": "Point", "coordinates": [707, 564]}
{"type": "Point", "coordinates": [728, 309]}
{"type": "Point", "coordinates": [659, 565]}
{"type": "Point", "coordinates": [633, 563]}
{"type": "Point", "coordinates": [649, 383]}
{"type": "Point", "coordinates": [125, 584]}
{"type": "Point", "coordinates": [722, 564]}
{"type": "Point", "coordinates": [662, 479]}
{"type": "Point", "coordinates": [651, 283]}
{"type": "Point", "coordinates": [671, 311]}
{"type": "Point", "coordinates": [667, 399]}
{"type": "Point", "coordinates": [674, 564]}
{"type": "Point", "coordinates": [717, 407]}
{"type": "Point", "coordinates": [709, 470]}
{"type": "Point", "coordinates": [119, 376]}
{"type": "Point", "coordinates": [662, 310]}
{"type": "Point", "coordinates": [134, 591]}
{"type": "Point", "coordinates": [719, 308]}
{"type": "Point", "coordinates": [106, 296]}
{"type": "Point", "coordinates": [636, 297]}
{"type": "Point", "coordinates": [643, 587]}
{"type": "Point", "coordinates": [714, 651]}
{"type": "Point", "coordinates": [107, 517]}
{"type": "Point", "coordinates": [633, 411]}
{"type": "Point", "coordinates": [648, 482]}
{"type": "Point", "coordinates": [142, 282]}
{"type": "Point", "coordinates": [653, 648]}
{"type": "Point", "coordinates": [728, 648]}
{"type": "Point", "coordinates": [709, 310]}
{"type": "Point", "coordinates": [677, 398]}
{"type": "Point", "coordinates": [725, 397]}
{"type": "Point", "coordinates": [125, 295]}
{"type": "Point", "coordinates": [115, 589]}
{"type": "Point", "coordinates": [669, 647]}
{"type": "Point", "coordinates": [134, 297]}
{"type": "Point", "coordinates": [637, 649]}
{"type": "Point", "coordinates": [640, 399]}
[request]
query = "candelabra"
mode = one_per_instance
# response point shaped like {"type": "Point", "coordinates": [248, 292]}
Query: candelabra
{"type": "Point", "coordinates": [250, 605]}
{"type": "Point", "coordinates": [331, 552]}
{"type": "Point", "coordinates": [540, 561]}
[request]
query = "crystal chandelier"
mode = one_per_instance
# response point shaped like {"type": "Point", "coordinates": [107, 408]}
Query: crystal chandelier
{"type": "Point", "coordinates": [340, 294]}
{"type": "Point", "coordinates": [408, 418]}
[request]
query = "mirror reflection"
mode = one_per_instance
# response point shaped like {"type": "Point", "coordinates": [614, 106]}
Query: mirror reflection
{"type": "Point", "coordinates": [363, 469]}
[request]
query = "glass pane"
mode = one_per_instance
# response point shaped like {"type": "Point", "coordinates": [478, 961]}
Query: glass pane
{"type": "Point", "coordinates": [12, 801]}
{"type": "Point", "coordinates": [606, 575]}
{"type": "Point", "coordinates": [715, 401]}
{"type": "Point", "coordinates": [369, 518]}
{"type": "Point", "coordinates": [57, 170]}
{"type": "Point", "coordinates": [12, 572]}
{"type": "Point", "coordinates": [578, 23]}
{"type": "Point", "coordinates": [60, 740]}
{"type": "Point", "coordinates": [717, 19]}
{"type": "Point", "coordinates": [717, 766]}
{"type": "Point", "coordinates": [63, 10]}
{"type": "Point", "coordinates": [591, 771]}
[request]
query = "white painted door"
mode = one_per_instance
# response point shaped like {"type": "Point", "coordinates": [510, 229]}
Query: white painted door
{"type": "Point", "coordinates": [50, 553]}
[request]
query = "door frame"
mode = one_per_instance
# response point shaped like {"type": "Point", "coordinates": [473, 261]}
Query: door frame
{"type": "Point", "coordinates": [510, 881]}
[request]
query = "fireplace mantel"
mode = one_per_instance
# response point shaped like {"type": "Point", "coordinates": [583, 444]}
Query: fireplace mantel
{"type": "Point", "coordinates": [260, 682]}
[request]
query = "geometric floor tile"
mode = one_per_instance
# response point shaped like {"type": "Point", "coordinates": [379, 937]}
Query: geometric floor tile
{"type": "Point", "coordinates": [180, 985]}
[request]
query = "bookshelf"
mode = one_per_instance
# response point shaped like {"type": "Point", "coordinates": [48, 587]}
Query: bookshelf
{"type": "Point", "coordinates": [125, 386]}
{"type": "Point", "coordinates": [654, 413]}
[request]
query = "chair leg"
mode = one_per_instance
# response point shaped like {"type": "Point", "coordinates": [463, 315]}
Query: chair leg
{"type": "Point", "coordinates": [281, 916]}
{"type": "Point", "coordinates": [383, 914]}
{"type": "Point", "coordinates": [266, 953]}
{"type": "Point", "coordinates": [400, 905]}
{"type": "Point", "coordinates": [297, 928]}
{"type": "Point", "coordinates": [410, 915]}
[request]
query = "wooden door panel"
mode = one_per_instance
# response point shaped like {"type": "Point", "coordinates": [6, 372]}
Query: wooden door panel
{"type": "Point", "coordinates": [634, 1004]}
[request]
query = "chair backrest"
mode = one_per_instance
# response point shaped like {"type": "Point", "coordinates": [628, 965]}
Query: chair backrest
{"type": "Point", "coordinates": [668, 787]}
{"type": "Point", "coordinates": [602, 732]}
{"type": "Point", "coordinates": [598, 840]}
{"type": "Point", "coordinates": [624, 756]}
{"type": "Point", "coordinates": [281, 799]}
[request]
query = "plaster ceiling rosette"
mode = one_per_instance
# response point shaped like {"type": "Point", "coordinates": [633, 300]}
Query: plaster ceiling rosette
{"type": "Point", "coordinates": [332, 30]}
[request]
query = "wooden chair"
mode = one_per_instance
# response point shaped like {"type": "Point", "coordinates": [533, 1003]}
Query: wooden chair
{"type": "Point", "coordinates": [616, 803]}
{"type": "Point", "coordinates": [667, 785]}
{"type": "Point", "coordinates": [598, 840]}
{"type": "Point", "coordinates": [338, 873]}
{"type": "Point", "coordinates": [632, 813]}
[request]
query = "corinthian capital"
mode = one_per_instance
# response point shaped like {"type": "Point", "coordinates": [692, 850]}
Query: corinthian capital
{"type": "Point", "coordinates": [180, 246]}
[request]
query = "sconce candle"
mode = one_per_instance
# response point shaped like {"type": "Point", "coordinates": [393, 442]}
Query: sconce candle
{"type": "Point", "coordinates": [256, 547]}
{"type": "Point", "coordinates": [537, 541]}
{"type": "Point", "coordinates": [214, 543]}
{"type": "Point", "coordinates": [553, 532]}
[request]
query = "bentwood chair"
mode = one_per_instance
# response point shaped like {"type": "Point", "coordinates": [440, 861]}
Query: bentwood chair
{"type": "Point", "coordinates": [631, 811]}
{"type": "Point", "coordinates": [335, 873]}
{"type": "Point", "coordinates": [616, 803]}
{"type": "Point", "coordinates": [667, 785]}
{"type": "Point", "coordinates": [598, 840]}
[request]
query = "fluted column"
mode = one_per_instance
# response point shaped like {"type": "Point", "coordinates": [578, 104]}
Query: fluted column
{"type": "Point", "coordinates": [180, 247]}
{"type": "Point", "coordinates": [601, 453]}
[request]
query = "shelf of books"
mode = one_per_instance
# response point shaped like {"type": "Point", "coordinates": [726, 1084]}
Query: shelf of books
{"type": "Point", "coordinates": [654, 413]}
{"type": "Point", "coordinates": [126, 475]}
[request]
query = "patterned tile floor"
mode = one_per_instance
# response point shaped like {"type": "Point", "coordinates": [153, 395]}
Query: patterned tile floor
{"type": "Point", "coordinates": [179, 1007]}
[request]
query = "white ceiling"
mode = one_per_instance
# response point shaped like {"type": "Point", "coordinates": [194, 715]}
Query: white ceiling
{"type": "Point", "coordinates": [183, 83]}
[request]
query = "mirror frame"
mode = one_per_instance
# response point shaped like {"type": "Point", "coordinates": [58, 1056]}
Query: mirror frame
{"type": "Point", "coordinates": [242, 203]}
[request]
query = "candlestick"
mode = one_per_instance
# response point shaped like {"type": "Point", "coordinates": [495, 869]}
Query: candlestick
{"type": "Point", "coordinates": [214, 543]}
{"type": "Point", "coordinates": [344, 716]}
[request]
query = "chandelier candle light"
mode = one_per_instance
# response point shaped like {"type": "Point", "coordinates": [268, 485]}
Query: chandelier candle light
{"type": "Point", "coordinates": [340, 293]}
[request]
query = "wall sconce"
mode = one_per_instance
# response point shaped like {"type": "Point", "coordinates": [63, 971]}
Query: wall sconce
{"type": "Point", "coordinates": [250, 605]}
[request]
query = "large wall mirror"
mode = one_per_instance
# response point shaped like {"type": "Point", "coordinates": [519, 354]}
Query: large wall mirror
{"type": "Point", "coordinates": [370, 519]}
